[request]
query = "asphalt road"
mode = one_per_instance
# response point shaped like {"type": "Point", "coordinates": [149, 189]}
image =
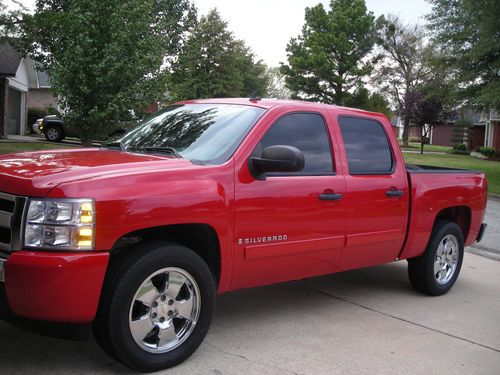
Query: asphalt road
{"type": "Point", "coordinates": [364, 321]}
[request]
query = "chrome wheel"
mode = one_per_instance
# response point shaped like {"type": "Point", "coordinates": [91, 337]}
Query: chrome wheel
{"type": "Point", "coordinates": [164, 310]}
{"type": "Point", "coordinates": [446, 259]}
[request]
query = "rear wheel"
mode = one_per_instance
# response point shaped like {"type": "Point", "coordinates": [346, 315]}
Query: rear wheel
{"type": "Point", "coordinates": [436, 271]}
{"type": "Point", "coordinates": [157, 308]}
{"type": "Point", "coordinates": [53, 133]}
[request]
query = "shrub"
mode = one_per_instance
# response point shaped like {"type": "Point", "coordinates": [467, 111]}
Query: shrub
{"type": "Point", "coordinates": [487, 151]}
{"type": "Point", "coordinates": [459, 147]}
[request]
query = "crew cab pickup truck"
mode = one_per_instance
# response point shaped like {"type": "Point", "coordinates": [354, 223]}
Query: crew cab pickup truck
{"type": "Point", "coordinates": [136, 238]}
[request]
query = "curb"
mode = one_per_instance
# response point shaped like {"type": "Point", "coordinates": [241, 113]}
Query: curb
{"type": "Point", "coordinates": [493, 196]}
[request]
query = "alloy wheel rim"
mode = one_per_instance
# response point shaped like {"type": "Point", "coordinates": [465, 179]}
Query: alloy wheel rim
{"type": "Point", "coordinates": [164, 310]}
{"type": "Point", "coordinates": [446, 259]}
{"type": "Point", "coordinates": [53, 134]}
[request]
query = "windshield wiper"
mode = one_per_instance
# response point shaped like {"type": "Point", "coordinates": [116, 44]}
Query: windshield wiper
{"type": "Point", "coordinates": [167, 150]}
{"type": "Point", "coordinates": [114, 146]}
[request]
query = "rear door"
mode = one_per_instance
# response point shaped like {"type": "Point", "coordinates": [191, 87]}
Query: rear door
{"type": "Point", "coordinates": [290, 226]}
{"type": "Point", "coordinates": [377, 194]}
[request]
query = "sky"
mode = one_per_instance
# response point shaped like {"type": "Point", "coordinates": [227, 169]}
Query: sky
{"type": "Point", "coordinates": [266, 26]}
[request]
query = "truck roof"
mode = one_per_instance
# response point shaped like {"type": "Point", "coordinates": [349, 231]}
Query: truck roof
{"type": "Point", "coordinates": [271, 103]}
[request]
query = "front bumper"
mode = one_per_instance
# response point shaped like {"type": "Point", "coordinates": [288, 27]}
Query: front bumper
{"type": "Point", "coordinates": [54, 287]}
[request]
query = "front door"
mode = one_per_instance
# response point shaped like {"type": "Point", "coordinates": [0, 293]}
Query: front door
{"type": "Point", "coordinates": [290, 226]}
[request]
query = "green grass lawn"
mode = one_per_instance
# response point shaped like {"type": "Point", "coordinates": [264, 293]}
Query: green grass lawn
{"type": "Point", "coordinates": [491, 168]}
{"type": "Point", "coordinates": [412, 146]}
{"type": "Point", "coordinates": [8, 147]}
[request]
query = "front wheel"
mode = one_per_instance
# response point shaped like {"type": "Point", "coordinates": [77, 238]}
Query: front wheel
{"type": "Point", "coordinates": [157, 308]}
{"type": "Point", "coordinates": [436, 271]}
{"type": "Point", "coordinates": [53, 133]}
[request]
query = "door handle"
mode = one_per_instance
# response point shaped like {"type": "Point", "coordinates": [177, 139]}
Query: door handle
{"type": "Point", "coordinates": [394, 193]}
{"type": "Point", "coordinates": [330, 197]}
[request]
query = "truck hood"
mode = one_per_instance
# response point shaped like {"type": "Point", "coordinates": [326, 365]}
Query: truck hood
{"type": "Point", "coordinates": [36, 173]}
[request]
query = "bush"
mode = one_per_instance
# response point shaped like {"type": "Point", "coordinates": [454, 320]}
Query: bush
{"type": "Point", "coordinates": [460, 152]}
{"type": "Point", "coordinates": [459, 147]}
{"type": "Point", "coordinates": [489, 152]}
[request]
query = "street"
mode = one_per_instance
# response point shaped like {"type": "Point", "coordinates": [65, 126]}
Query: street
{"type": "Point", "coordinates": [364, 321]}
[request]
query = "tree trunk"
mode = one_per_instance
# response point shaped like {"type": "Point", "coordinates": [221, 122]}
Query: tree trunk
{"type": "Point", "coordinates": [422, 140]}
{"type": "Point", "coordinates": [406, 131]}
{"type": "Point", "coordinates": [86, 137]}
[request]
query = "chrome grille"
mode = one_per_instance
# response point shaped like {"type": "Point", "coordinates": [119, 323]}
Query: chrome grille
{"type": "Point", "coordinates": [11, 213]}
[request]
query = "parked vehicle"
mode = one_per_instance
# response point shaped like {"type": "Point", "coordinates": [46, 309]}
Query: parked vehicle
{"type": "Point", "coordinates": [208, 196]}
{"type": "Point", "coordinates": [56, 130]}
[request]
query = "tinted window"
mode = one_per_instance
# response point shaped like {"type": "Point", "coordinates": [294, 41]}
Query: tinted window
{"type": "Point", "coordinates": [205, 133]}
{"type": "Point", "coordinates": [308, 133]}
{"type": "Point", "coordinates": [367, 146]}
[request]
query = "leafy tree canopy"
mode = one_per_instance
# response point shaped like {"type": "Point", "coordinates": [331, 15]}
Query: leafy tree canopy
{"type": "Point", "coordinates": [105, 57]}
{"type": "Point", "coordinates": [215, 64]}
{"type": "Point", "coordinates": [404, 65]}
{"type": "Point", "coordinates": [468, 32]}
{"type": "Point", "coordinates": [363, 99]}
{"type": "Point", "coordinates": [331, 56]}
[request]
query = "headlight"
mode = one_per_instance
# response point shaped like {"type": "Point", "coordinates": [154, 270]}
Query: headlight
{"type": "Point", "coordinates": [60, 224]}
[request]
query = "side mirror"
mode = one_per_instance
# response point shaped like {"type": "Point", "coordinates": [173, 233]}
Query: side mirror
{"type": "Point", "coordinates": [277, 159]}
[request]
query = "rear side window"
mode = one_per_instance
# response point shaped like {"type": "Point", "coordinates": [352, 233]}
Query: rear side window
{"type": "Point", "coordinates": [367, 146]}
{"type": "Point", "coordinates": [307, 132]}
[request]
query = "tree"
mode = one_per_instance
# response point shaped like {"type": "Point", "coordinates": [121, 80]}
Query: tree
{"type": "Point", "coordinates": [467, 32]}
{"type": "Point", "coordinates": [363, 99]}
{"type": "Point", "coordinates": [331, 56]}
{"type": "Point", "coordinates": [213, 63]}
{"type": "Point", "coordinates": [105, 58]}
{"type": "Point", "coordinates": [425, 110]}
{"type": "Point", "coordinates": [405, 64]}
{"type": "Point", "coordinates": [461, 132]}
{"type": "Point", "coordinates": [276, 87]}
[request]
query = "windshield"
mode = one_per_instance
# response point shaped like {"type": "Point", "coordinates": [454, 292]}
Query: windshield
{"type": "Point", "coordinates": [203, 133]}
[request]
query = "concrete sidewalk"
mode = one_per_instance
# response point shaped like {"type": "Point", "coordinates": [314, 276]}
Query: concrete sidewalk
{"type": "Point", "coordinates": [364, 321]}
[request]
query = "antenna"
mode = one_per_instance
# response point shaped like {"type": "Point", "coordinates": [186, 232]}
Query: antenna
{"type": "Point", "coordinates": [254, 97]}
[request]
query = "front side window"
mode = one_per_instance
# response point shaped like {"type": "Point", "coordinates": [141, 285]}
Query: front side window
{"type": "Point", "coordinates": [307, 132]}
{"type": "Point", "coordinates": [366, 145]}
{"type": "Point", "coordinates": [203, 133]}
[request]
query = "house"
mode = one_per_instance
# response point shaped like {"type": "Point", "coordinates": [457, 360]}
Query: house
{"type": "Point", "coordinates": [21, 87]}
{"type": "Point", "coordinates": [14, 85]}
{"type": "Point", "coordinates": [485, 131]}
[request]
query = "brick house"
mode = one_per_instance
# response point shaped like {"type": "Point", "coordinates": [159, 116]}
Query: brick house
{"type": "Point", "coordinates": [485, 131]}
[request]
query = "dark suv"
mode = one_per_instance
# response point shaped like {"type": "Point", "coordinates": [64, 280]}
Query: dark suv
{"type": "Point", "coordinates": [55, 129]}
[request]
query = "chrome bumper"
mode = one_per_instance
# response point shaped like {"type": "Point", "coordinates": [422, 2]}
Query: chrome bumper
{"type": "Point", "coordinates": [2, 268]}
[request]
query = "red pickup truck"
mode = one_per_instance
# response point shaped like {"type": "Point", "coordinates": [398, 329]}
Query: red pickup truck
{"type": "Point", "coordinates": [134, 239]}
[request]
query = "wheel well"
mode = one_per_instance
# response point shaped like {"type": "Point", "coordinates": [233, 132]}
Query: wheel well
{"type": "Point", "coordinates": [55, 125]}
{"type": "Point", "coordinates": [201, 238]}
{"type": "Point", "coordinates": [459, 215]}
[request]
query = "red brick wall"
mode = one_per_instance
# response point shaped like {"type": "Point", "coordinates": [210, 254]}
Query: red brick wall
{"type": "Point", "coordinates": [477, 138]}
{"type": "Point", "coordinates": [441, 135]}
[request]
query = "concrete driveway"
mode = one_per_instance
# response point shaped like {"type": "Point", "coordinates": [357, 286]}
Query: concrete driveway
{"type": "Point", "coordinates": [490, 245]}
{"type": "Point", "coordinates": [364, 321]}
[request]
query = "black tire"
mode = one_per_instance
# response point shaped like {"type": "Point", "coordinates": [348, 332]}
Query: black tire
{"type": "Point", "coordinates": [421, 269]}
{"type": "Point", "coordinates": [54, 133]}
{"type": "Point", "coordinates": [111, 326]}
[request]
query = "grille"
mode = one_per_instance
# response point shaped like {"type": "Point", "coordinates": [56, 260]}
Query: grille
{"type": "Point", "coordinates": [11, 212]}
